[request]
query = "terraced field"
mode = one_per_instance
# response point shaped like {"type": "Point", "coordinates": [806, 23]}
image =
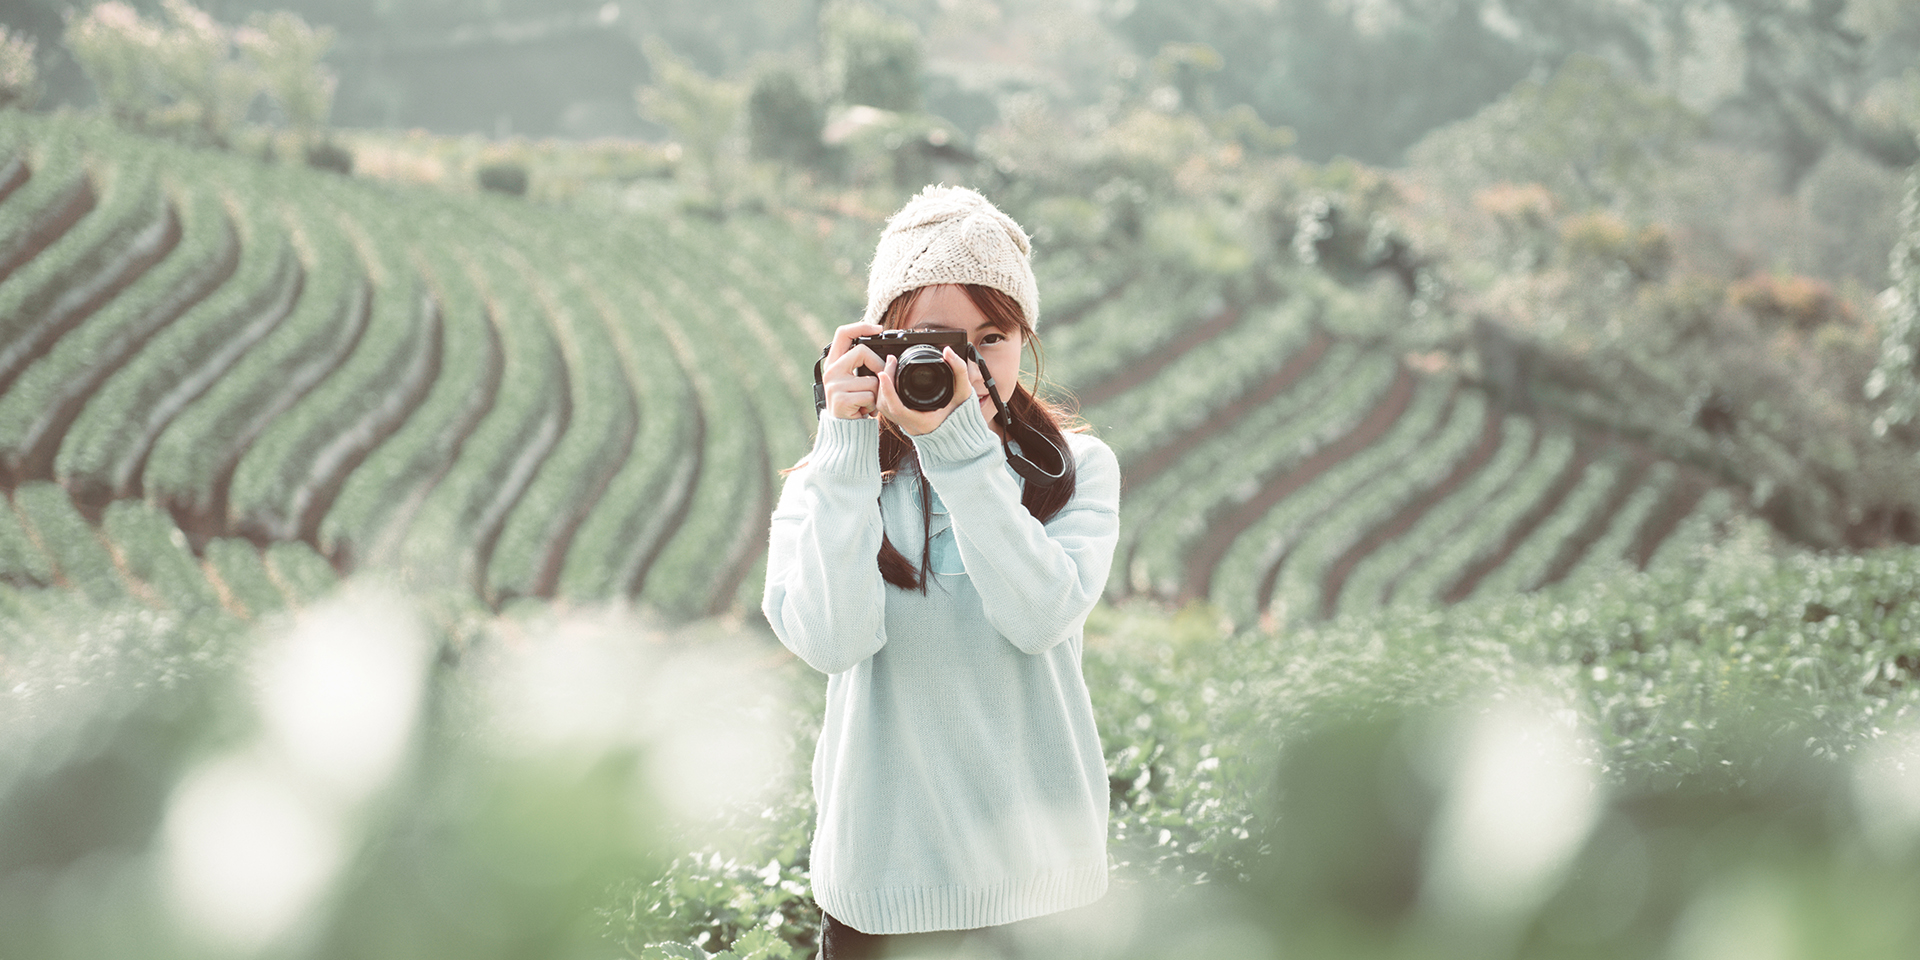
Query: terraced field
{"type": "Point", "coordinates": [224, 385]}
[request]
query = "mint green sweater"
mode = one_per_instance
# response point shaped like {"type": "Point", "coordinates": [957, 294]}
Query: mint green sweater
{"type": "Point", "coordinates": [959, 775]}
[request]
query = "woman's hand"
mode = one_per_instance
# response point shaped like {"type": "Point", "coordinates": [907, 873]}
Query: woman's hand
{"type": "Point", "coordinates": [849, 395]}
{"type": "Point", "coordinates": [917, 422]}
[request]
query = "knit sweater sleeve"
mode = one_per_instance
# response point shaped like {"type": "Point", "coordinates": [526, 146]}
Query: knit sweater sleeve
{"type": "Point", "coordinates": [824, 596]}
{"type": "Point", "coordinates": [1037, 581]}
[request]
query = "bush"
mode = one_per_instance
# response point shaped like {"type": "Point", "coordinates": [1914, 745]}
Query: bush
{"type": "Point", "coordinates": [19, 72]}
{"type": "Point", "coordinates": [330, 156]}
{"type": "Point", "coordinates": [504, 177]}
{"type": "Point", "coordinates": [873, 59]}
{"type": "Point", "coordinates": [784, 118]}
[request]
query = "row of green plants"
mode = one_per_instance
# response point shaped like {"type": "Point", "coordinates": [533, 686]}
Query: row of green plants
{"type": "Point", "coordinates": [1422, 465]}
{"type": "Point", "coordinates": [1241, 574]}
{"type": "Point", "coordinates": [49, 396]}
{"type": "Point", "coordinates": [290, 474]}
{"type": "Point", "coordinates": [1171, 513]}
{"type": "Point", "coordinates": [346, 339]}
{"type": "Point", "coordinates": [1207, 385]}
{"type": "Point", "coordinates": [1493, 520]}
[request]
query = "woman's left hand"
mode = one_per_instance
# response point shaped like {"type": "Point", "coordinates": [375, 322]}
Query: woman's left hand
{"type": "Point", "coordinates": [917, 422]}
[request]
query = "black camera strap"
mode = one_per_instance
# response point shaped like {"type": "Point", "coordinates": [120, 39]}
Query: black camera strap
{"type": "Point", "coordinates": [1048, 470]}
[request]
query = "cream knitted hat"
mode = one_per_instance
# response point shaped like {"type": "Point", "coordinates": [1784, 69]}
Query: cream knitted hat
{"type": "Point", "coordinates": [951, 235]}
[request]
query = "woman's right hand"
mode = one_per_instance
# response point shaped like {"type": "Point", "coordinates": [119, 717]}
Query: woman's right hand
{"type": "Point", "coordinates": [849, 395]}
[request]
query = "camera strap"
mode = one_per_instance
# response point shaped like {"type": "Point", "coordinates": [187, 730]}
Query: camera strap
{"type": "Point", "coordinates": [1047, 470]}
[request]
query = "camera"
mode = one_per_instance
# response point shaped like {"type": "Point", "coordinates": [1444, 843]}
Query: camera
{"type": "Point", "coordinates": [923, 379]}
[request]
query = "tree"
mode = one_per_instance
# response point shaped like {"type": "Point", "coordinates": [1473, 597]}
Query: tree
{"type": "Point", "coordinates": [784, 118]}
{"type": "Point", "coordinates": [703, 112]}
{"type": "Point", "coordinates": [19, 73]}
{"type": "Point", "coordinates": [286, 54]}
{"type": "Point", "coordinates": [872, 59]}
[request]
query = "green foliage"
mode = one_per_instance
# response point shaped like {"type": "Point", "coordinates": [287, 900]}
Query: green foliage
{"type": "Point", "coordinates": [872, 59]}
{"type": "Point", "coordinates": [1363, 81]}
{"type": "Point", "coordinates": [1895, 382]}
{"type": "Point", "coordinates": [1590, 136]}
{"type": "Point", "coordinates": [287, 55]}
{"type": "Point", "coordinates": [196, 77]}
{"type": "Point", "coordinates": [784, 117]}
{"type": "Point", "coordinates": [19, 71]}
{"type": "Point", "coordinates": [704, 114]}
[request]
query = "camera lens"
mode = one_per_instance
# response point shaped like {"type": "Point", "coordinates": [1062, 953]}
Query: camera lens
{"type": "Point", "coordinates": [923, 378]}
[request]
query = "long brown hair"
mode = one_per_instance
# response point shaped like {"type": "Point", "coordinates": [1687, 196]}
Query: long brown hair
{"type": "Point", "coordinates": [897, 450]}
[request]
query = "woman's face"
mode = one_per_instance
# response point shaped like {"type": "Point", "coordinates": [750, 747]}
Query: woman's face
{"type": "Point", "coordinates": [947, 307]}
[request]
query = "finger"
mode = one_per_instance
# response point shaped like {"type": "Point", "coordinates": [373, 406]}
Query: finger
{"type": "Point", "coordinates": [844, 335]}
{"type": "Point", "coordinates": [963, 389]}
{"type": "Point", "coordinates": [888, 396]}
{"type": "Point", "coordinates": [861, 357]}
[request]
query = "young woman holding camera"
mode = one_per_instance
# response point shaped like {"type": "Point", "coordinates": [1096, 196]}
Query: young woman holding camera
{"type": "Point", "coordinates": [939, 566]}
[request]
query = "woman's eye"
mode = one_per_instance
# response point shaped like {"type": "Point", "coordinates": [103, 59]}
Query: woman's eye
{"type": "Point", "coordinates": [992, 338]}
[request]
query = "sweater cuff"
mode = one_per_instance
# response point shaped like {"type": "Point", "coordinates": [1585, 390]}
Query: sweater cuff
{"type": "Point", "coordinates": [849, 448]}
{"type": "Point", "coordinates": [964, 435]}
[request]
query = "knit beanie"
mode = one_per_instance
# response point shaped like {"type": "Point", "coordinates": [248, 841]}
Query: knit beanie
{"type": "Point", "coordinates": [951, 235]}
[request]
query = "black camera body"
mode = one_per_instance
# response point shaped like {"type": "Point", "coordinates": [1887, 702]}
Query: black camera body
{"type": "Point", "coordinates": [925, 382]}
{"type": "Point", "coordinates": [922, 377]}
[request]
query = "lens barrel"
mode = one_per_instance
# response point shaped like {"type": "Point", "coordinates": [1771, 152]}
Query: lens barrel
{"type": "Point", "coordinates": [924, 380]}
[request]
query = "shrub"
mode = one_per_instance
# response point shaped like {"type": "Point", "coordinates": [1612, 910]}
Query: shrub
{"type": "Point", "coordinates": [784, 118]}
{"type": "Point", "coordinates": [873, 59]}
{"type": "Point", "coordinates": [330, 156]}
{"type": "Point", "coordinates": [504, 177]}
{"type": "Point", "coordinates": [286, 54]}
{"type": "Point", "coordinates": [197, 77]}
{"type": "Point", "coordinates": [119, 51]}
{"type": "Point", "coordinates": [1802, 302]}
{"type": "Point", "coordinates": [19, 72]}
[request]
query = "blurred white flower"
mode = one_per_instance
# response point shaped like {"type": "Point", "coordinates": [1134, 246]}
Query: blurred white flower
{"type": "Point", "coordinates": [1886, 791]}
{"type": "Point", "coordinates": [247, 852]}
{"type": "Point", "coordinates": [1522, 800]}
{"type": "Point", "coordinates": [340, 692]}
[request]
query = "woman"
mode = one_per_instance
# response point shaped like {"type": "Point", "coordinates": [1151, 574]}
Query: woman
{"type": "Point", "coordinates": [959, 776]}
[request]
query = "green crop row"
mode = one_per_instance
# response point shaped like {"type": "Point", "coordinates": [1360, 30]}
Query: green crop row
{"type": "Point", "coordinates": [194, 459]}
{"type": "Point", "coordinates": [699, 570]}
{"type": "Point", "coordinates": [652, 494]}
{"type": "Point", "coordinates": [154, 552]}
{"type": "Point", "coordinates": [130, 228]}
{"type": "Point", "coordinates": [600, 435]}
{"type": "Point", "coordinates": [1239, 585]}
{"type": "Point", "coordinates": [1180, 507]}
{"type": "Point", "coordinates": [51, 394]}
{"type": "Point", "coordinates": [79, 557]}
{"type": "Point", "coordinates": [452, 538]}
{"type": "Point", "coordinates": [1207, 383]}
{"type": "Point", "coordinates": [107, 448]}
{"type": "Point", "coordinates": [56, 183]}
{"type": "Point", "coordinates": [290, 474]}
{"type": "Point", "coordinates": [1489, 526]}
{"type": "Point", "coordinates": [244, 580]}
{"type": "Point", "coordinates": [1608, 554]}
{"type": "Point", "coordinates": [368, 519]}
{"type": "Point", "coordinates": [1526, 567]}
{"type": "Point", "coordinates": [1427, 461]}
{"type": "Point", "coordinates": [1147, 320]}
